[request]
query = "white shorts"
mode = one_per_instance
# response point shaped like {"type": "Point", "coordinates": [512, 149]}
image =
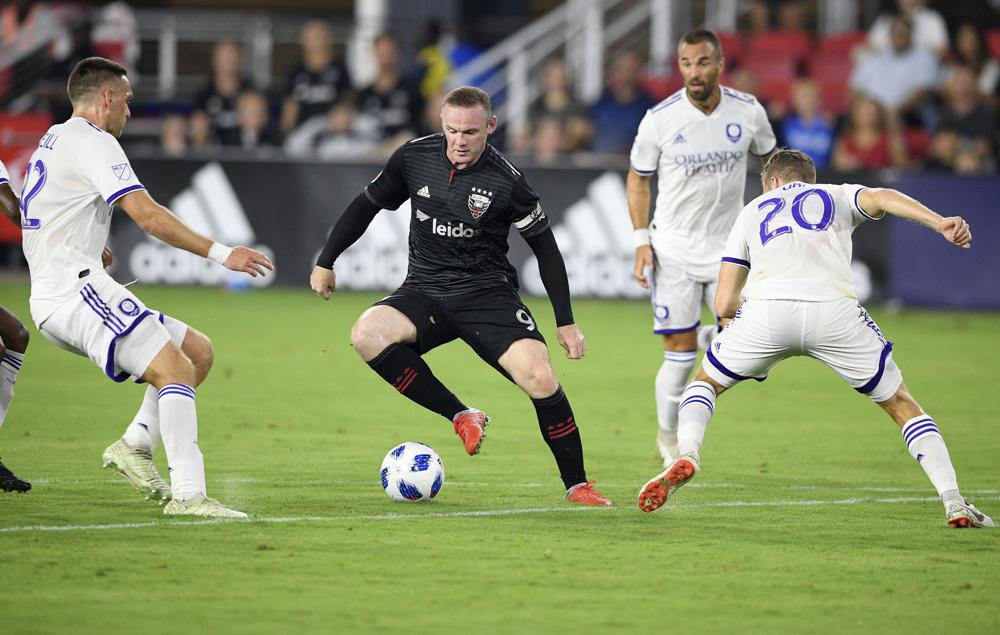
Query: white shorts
{"type": "Point", "coordinates": [677, 297]}
{"type": "Point", "coordinates": [112, 327]}
{"type": "Point", "coordinates": [839, 333]}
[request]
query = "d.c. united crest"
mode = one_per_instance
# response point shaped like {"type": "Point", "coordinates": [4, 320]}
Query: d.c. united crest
{"type": "Point", "coordinates": [479, 201]}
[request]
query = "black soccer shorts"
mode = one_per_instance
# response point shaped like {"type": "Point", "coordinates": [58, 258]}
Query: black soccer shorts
{"type": "Point", "coordinates": [488, 320]}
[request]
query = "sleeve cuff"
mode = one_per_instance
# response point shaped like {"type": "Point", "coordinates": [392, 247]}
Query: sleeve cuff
{"type": "Point", "coordinates": [122, 192]}
{"type": "Point", "coordinates": [736, 261]}
{"type": "Point", "coordinates": [641, 171]}
{"type": "Point", "coordinates": [764, 154]}
{"type": "Point", "coordinates": [857, 204]}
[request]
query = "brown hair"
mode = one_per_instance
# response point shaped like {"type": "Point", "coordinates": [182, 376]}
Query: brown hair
{"type": "Point", "coordinates": [702, 35]}
{"type": "Point", "coordinates": [469, 97]}
{"type": "Point", "coordinates": [789, 165]}
{"type": "Point", "coordinates": [90, 75]}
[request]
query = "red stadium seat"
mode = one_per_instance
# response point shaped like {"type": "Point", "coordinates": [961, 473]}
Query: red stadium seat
{"type": "Point", "coordinates": [732, 46]}
{"type": "Point", "coordinates": [841, 44]}
{"type": "Point", "coordinates": [834, 97]}
{"type": "Point", "coordinates": [917, 142]}
{"type": "Point", "coordinates": [660, 87]}
{"type": "Point", "coordinates": [796, 45]}
{"type": "Point", "coordinates": [993, 42]}
{"type": "Point", "coordinates": [830, 68]}
{"type": "Point", "coordinates": [775, 76]}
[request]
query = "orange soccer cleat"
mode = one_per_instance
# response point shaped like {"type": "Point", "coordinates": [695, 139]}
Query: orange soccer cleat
{"type": "Point", "coordinates": [470, 426]}
{"type": "Point", "coordinates": [586, 494]}
{"type": "Point", "coordinates": [658, 489]}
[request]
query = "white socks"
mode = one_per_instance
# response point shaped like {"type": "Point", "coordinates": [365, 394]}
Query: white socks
{"type": "Point", "coordinates": [144, 431]}
{"type": "Point", "coordinates": [179, 427]}
{"type": "Point", "coordinates": [670, 381]}
{"type": "Point", "coordinates": [10, 366]}
{"type": "Point", "coordinates": [927, 446]}
{"type": "Point", "coordinates": [696, 409]}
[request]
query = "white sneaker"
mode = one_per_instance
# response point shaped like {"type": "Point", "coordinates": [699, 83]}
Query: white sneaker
{"type": "Point", "coordinates": [136, 465]}
{"type": "Point", "coordinates": [201, 506]}
{"type": "Point", "coordinates": [666, 443]}
{"type": "Point", "coordinates": [962, 514]}
{"type": "Point", "coordinates": [706, 335]}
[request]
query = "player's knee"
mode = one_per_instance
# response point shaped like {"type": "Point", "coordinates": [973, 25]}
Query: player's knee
{"type": "Point", "coordinates": [366, 338]}
{"type": "Point", "coordinates": [17, 340]}
{"type": "Point", "coordinates": [539, 381]}
{"type": "Point", "coordinates": [198, 348]}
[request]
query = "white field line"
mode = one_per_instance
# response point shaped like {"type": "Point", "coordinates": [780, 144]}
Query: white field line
{"type": "Point", "coordinates": [226, 480]}
{"type": "Point", "coordinates": [465, 514]}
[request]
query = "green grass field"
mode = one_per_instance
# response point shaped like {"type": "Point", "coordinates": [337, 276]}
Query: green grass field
{"type": "Point", "coordinates": [808, 517]}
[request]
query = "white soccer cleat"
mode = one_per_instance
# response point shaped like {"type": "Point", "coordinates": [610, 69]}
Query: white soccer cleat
{"type": "Point", "coordinates": [201, 506]}
{"type": "Point", "coordinates": [666, 443]}
{"type": "Point", "coordinates": [136, 465]}
{"type": "Point", "coordinates": [706, 335]}
{"type": "Point", "coordinates": [962, 514]}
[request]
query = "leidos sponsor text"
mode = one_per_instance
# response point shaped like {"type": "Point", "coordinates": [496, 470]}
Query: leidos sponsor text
{"type": "Point", "coordinates": [452, 231]}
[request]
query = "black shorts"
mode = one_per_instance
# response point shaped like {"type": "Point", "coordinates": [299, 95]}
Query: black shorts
{"type": "Point", "coordinates": [488, 320]}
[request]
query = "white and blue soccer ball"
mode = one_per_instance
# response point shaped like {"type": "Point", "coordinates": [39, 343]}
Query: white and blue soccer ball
{"type": "Point", "coordinates": [412, 472]}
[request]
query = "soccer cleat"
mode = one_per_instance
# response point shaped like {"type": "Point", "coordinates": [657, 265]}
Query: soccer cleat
{"type": "Point", "coordinates": [666, 443]}
{"type": "Point", "coordinates": [470, 426]}
{"type": "Point", "coordinates": [586, 494]}
{"type": "Point", "coordinates": [10, 483]}
{"type": "Point", "coordinates": [136, 465]}
{"type": "Point", "coordinates": [201, 506]}
{"type": "Point", "coordinates": [962, 514]}
{"type": "Point", "coordinates": [658, 489]}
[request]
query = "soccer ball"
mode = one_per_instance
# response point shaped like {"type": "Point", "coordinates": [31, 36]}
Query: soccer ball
{"type": "Point", "coordinates": [412, 472]}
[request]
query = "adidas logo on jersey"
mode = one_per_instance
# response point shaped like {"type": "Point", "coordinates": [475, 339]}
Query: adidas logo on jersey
{"type": "Point", "coordinates": [424, 191]}
{"type": "Point", "coordinates": [421, 216]}
{"type": "Point", "coordinates": [680, 139]}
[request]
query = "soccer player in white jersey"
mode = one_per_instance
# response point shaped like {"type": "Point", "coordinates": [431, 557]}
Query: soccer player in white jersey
{"type": "Point", "coordinates": [13, 340]}
{"type": "Point", "coordinates": [697, 141]}
{"type": "Point", "coordinates": [75, 177]}
{"type": "Point", "coordinates": [789, 256]}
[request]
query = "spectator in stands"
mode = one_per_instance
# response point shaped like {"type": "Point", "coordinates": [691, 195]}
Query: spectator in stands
{"type": "Point", "coordinates": [870, 139]}
{"type": "Point", "coordinates": [340, 134]}
{"type": "Point", "coordinates": [318, 82]}
{"type": "Point", "coordinates": [930, 33]}
{"type": "Point", "coordinates": [173, 134]}
{"type": "Point", "coordinates": [556, 103]}
{"type": "Point", "coordinates": [970, 50]}
{"type": "Point", "coordinates": [393, 101]}
{"type": "Point", "coordinates": [216, 120]}
{"type": "Point", "coordinates": [615, 116]}
{"type": "Point", "coordinates": [968, 125]}
{"type": "Point", "coordinates": [255, 128]}
{"type": "Point", "coordinates": [901, 78]}
{"type": "Point", "coordinates": [547, 142]}
{"type": "Point", "coordinates": [433, 66]}
{"type": "Point", "coordinates": [806, 128]}
{"type": "Point", "coordinates": [116, 35]}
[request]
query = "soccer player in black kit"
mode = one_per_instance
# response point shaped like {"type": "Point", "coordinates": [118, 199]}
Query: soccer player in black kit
{"type": "Point", "coordinates": [465, 196]}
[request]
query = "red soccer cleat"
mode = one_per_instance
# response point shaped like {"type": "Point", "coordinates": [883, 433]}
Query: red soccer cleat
{"type": "Point", "coordinates": [470, 426]}
{"type": "Point", "coordinates": [585, 494]}
{"type": "Point", "coordinates": [658, 489]}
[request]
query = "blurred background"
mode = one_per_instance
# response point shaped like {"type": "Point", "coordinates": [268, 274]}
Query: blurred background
{"type": "Point", "coordinates": [258, 121]}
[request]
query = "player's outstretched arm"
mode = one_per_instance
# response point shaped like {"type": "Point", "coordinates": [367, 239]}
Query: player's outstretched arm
{"type": "Point", "coordinates": [9, 204]}
{"type": "Point", "coordinates": [878, 201]}
{"type": "Point", "coordinates": [349, 228]}
{"type": "Point", "coordinates": [160, 222]}
{"type": "Point", "coordinates": [637, 194]}
{"type": "Point", "coordinates": [552, 270]}
{"type": "Point", "coordinates": [732, 278]}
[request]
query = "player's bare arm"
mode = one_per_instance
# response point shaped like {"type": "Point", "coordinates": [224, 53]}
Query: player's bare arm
{"type": "Point", "coordinates": [732, 278]}
{"type": "Point", "coordinates": [637, 193]}
{"type": "Point", "coordinates": [571, 339]}
{"type": "Point", "coordinates": [879, 201]}
{"type": "Point", "coordinates": [160, 222]}
{"type": "Point", "coordinates": [348, 229]}
{"type": "Point", "coordinates": [9, 204]}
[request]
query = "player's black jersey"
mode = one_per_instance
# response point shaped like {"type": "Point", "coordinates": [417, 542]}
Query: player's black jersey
{"type": "Point", "coordinates": [459, 219]}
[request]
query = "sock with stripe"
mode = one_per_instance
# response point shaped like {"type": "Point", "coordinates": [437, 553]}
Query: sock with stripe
{"type": "Point", "coordinates": [179, 427]}
{"type": "Point", "coordinates": [695, 411]}
{"type": "Point", "coordinates": [412, 377]}
{"type": "Point", "coordinates": [144, 431]}
{"type": "Point", "coordinates": [670, 381]}
{"type": "Point", "coordinates": [555, 418]}
{"type": "Point", "coordinates": [926, 445]}
{"type": "Point", "coordinates": [10, 366]}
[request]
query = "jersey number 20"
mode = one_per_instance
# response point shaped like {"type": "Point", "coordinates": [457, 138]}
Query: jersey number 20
{"type": "Point", "coordinates": [778, 204]}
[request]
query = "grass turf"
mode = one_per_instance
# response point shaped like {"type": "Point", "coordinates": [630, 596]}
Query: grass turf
{"type": "Point", "coordinates": [808, 516]}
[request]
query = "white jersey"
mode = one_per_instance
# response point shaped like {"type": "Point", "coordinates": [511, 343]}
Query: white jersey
{"type": "Point", "coordinates": [4, 175]}
{"type": "Point", "coordinates": [796, 241]}
{"type": "Point", "coordinates": [701, 161]}
{"type": "Point", "coordinates": [72, 181]}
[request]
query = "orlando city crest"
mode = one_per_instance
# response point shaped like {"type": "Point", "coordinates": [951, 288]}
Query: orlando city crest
{"type": "Point", "coordinates": [479, 201]}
